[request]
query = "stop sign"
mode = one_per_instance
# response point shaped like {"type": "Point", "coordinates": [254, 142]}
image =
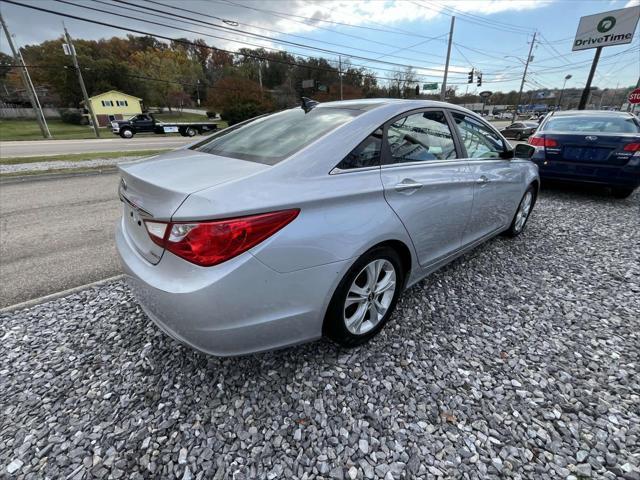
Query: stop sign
{"type": "Point", "coordinates": [634, 97]}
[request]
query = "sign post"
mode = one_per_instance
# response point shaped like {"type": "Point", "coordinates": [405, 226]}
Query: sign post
{"type": "Point", "coordinates": [615, 27]}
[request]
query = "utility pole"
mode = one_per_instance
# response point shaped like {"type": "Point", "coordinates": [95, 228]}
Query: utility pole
{"type": "Point", "coordinates": [524, 75]}
{"type": "Point", "coordinates": [340, 71]}
{"type": "Point", "coordinates": [28, 84]}
{"type": "Point", "coordinates": [260, 75]}
{"type": "Point", "coordinates": [87, 103]}
{"type": "Point", "coordinates": [584, 99]}
{"type": "Point", "coordinates": [443, 91]}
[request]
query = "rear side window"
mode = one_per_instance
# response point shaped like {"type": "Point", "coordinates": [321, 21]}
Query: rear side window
{"type": "Point", "coordinates": [275, 137]}
{"type": "Point", "coordinates": [420, 137]}
{"type": "Point", "coordinates": [479, 140]}
{"type": "Point", "coordinates": [591, 124]}
{"type": "Point", "coordinates": [367, 154]}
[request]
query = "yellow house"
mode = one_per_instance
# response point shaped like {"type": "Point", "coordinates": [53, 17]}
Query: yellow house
{"type": "Point", "coordinates": [114, 105]}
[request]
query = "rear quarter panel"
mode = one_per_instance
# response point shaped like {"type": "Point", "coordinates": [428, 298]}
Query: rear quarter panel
{"type": "Point", "coordinates": [341, 216]}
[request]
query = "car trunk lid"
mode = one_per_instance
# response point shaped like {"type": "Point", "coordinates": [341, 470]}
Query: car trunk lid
{"type": "Point", "coordinates": [591, 149]}
{"type": "Point", "coordinates": [154, 188]}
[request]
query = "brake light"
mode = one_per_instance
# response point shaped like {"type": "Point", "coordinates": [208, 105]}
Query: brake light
{"type": "Point", "coordinates": [632, 147]}
{"type": "Point", "coordinates": [542, 142]}
{"type": "Point", "coordinates": [216, 241]}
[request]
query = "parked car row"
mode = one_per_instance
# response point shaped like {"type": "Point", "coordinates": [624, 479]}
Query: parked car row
{"type": "Point", "coordinates": [311, 222]}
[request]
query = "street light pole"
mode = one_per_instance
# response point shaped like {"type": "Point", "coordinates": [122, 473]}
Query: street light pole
{"type": "Point", "coordinates": [85, 95]}
{"type": "Point", "coordinates": [340, 73]}
{"type": "Point", "coordinates": [559, 104]}
{"type": "Point", "coordinates": [28, 84]}
{"type": "Point", "coordinates": [443, 91]}
{"type": "Point", "coordinates": [524, 75]}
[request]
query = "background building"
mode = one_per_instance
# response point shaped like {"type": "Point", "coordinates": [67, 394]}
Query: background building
{"type": "Point", "coordinates": [114, 105]}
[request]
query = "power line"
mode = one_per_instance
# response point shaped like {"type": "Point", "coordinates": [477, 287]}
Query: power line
{"type": "Point", "coordinates": [471, 19]}
{"type": "Point", "coordinates": [366, 59]}
{"type": "Point", "coordinates": [217, 27]}
{"type": "Point", "coordinates": [323, 50]}
{"type": "Point", "coordinates": [286, 17]}
{"type": "Point", "coordinates": [187, 42]}
{"type": "Point", "coordinates": [396, 31]}
{"type": "Point", "coordinates": [487, 20]}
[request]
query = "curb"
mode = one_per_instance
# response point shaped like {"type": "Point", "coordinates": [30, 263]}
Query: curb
{"type": "Point", "coordinates": [63, 293]}
{"type": "Point", "coordinates": [53, 176]}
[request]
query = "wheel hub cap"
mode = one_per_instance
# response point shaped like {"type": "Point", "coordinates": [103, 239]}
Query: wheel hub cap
{"type": "Point", "coordinates": [369, 296]}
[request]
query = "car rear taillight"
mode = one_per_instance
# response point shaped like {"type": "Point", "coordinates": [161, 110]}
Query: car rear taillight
{"type": "Point", "coordinates": [632, 147]}
{"type": "Point", "coordinates": [542, 142]}
{"type": "Point", "coordinates": [213, 242]}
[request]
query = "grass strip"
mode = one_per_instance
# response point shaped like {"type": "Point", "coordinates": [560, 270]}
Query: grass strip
{"type": "Point", "coordinates": [80, 157]}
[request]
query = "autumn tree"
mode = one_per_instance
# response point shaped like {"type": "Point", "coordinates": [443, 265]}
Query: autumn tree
{"type": "Point", "coordinates": [238, 98]}
{"type": "Point", "coordinates": [168, 71]}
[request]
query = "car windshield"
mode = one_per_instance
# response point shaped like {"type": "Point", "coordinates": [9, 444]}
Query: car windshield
{"type": "Point", "coordinates": [592, 124]}
{"type": "Point", "coordinates": [272, 138]}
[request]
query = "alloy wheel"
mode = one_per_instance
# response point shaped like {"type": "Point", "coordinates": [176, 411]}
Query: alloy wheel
{"type": "Point", "coordinates": [369, 296]}
{"type": "Point", "coordinates": [523, 211]}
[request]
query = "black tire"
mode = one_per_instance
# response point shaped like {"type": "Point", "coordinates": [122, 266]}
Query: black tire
{"type": "Point", "coordinates": [515, 228]}
{"type": "Point", "coordinates": [334, 326]}
{"type": "Point", "coordinates": [621, 192]}
{"type": "Point", "coordinates": [519, 136]}
{"type": "Point", "coordinates": [126, 133]}
{"type": "Point", "coordinates": [190, 132]}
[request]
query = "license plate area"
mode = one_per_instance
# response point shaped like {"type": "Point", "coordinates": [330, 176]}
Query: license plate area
{"type": "Point", "coordinates": [586, 154]}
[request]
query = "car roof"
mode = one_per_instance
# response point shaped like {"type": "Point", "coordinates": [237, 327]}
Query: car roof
{"type": "Point", "coordinates": [586, 113]}
{"type": "Point", "coordinates": [371, 103]}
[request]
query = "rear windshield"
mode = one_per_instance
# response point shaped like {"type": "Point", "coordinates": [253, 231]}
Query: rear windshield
{"type": "Point", "coordinates": [273, 138]}
{"type": "Point", "coordinates": [592, 124]}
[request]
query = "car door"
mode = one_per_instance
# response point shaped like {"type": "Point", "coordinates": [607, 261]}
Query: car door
{"type": "Point", "coordinates": [426, 182]}
{"type": "Point", "coordinates": [497, 180]}
{"type": "Point", "coordinates": [143, 123]}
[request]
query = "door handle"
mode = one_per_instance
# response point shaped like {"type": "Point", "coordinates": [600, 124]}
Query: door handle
{"type": "Point", "coordinates": [407, 184]}
{"type": "Point", "coordinates": [482, 180]}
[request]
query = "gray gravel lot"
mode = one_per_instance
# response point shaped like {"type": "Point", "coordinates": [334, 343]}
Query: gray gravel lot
{"type": "Point", "coordinates": [519, 360]}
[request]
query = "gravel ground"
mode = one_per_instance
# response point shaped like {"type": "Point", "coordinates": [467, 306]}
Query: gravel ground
{"type": "Point", "coordinates": [519, 360]}
{"type": "Point", "coordinates": [63, 164]}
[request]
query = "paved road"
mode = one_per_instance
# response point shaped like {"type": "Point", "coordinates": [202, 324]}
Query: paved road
{"type": "Point", "coordinates": [61, 239]}
{"type": "Point", "coordinates": [61, 147]}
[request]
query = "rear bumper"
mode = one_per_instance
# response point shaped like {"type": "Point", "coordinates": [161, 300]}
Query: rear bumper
{"type": "Point", "coordinates": [236, 308]}
{"type": "Point", "coordinates": [620, 176]}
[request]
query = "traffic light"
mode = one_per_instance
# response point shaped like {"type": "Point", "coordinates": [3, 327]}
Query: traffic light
{"type": "Point", "coordinates": [479, 79]}
{"type": "Point", "coordinates": [470, 76]}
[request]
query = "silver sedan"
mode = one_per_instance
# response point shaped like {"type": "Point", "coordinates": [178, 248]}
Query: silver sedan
{"type": "Point", "coordinates": [310, 222]}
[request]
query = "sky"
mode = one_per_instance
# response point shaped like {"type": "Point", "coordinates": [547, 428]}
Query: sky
{"type": "Point", "coordinates": [491, 36]}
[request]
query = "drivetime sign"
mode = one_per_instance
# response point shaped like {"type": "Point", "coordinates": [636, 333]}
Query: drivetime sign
{"type": "Point", "coordinates": [615, 27]}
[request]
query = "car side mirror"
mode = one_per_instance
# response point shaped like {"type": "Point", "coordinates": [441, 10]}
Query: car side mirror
{"type": "Point", "coordinates": [506, 154]}
{"type": "Point", "coordinates": [523, 150]}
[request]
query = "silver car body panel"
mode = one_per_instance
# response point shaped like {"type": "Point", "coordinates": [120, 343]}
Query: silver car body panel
{"type": "Point", "coordinates": [277, 293]}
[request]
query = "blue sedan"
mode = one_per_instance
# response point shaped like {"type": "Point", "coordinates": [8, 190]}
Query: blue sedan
{"type": "Point", "coordinates": [598, 147]}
